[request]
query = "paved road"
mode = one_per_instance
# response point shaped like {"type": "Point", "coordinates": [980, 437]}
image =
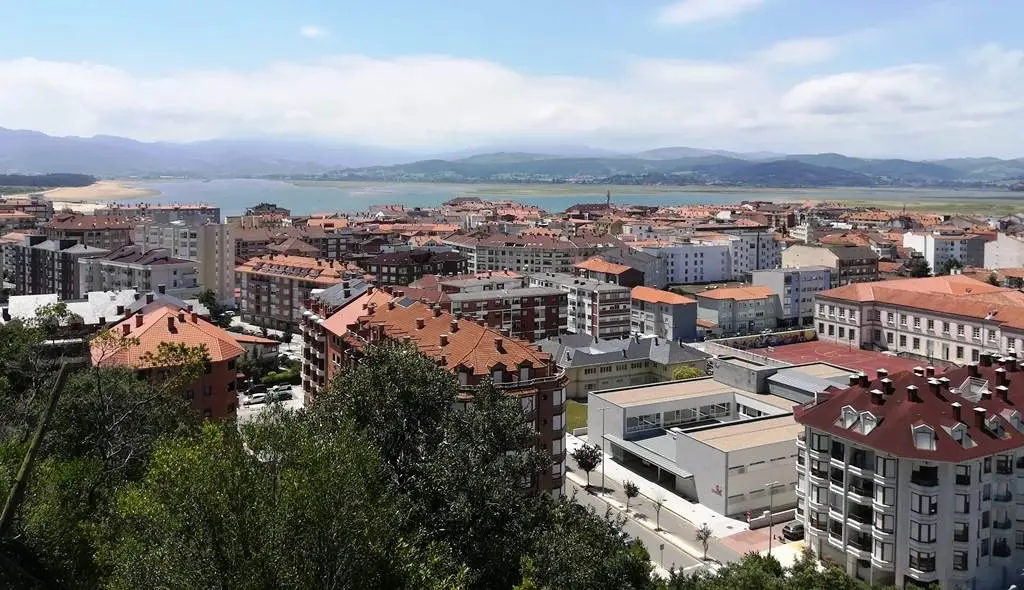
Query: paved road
{"type": "Point", "coordinates": [673, 556]}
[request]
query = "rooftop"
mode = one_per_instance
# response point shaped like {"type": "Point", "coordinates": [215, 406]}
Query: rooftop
{"type": "Point", "coordinates": [738, 293]}
{"type": "Point", "coordinates": [598, 264]}
{"type": "Point", "coordinates": [652, 295]}
{"type": "Point", "coordinates": [90, 222]}
{"type": "Point", "coordinates": [314, 270]}
{"type": "Point", "coordinates": [803, 353]}
{"type": "Point", "coordinates": [136, 254]}
{"type": "Point", "coordinates": [749, 433]}
{"type": "Point", "coordinates": [578, 350]}
{"type": "Point", "coordinates": [567, 280]}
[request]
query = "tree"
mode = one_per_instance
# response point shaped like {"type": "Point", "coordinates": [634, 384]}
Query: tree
{"type": "Point", "coordinates": [286, 336]}
{"type": "Point", "coordinates": [686, 372]}
{"type": "Point", "coordinates": [918, 267]}
{"type": "Point", "coordinates": [588, 457]}
{"type": "Point", "coordinates": [658, 504]}
{"type": "Point", "coordinates": [756, 572]}
{"type": "Point", "coordinates": [631, 490]}
{"type": "Point", "coordinates": [703, 536]}
{"type": "Point", "coordinates": [949, 265]}
{"type": "Point", "coordinates": [993, 278]}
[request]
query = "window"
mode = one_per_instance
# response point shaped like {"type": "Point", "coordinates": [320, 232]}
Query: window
{"type": "Point", "coordinates": [885, 467]}
{"type": "Point", "coordinates": [963, 475]}
{"type": "Point", "coordinates": [903, 341]}
{"type": "Point", "coordinates": [889, 317]}
{"type": "Point", "coordinates": [820, 442]}
{"type": "Point", "coordinates": [959, 352]}
{"type": "Point", "coordinates": [883, 551]}
{"type": "Point", "coordinates": [917, 322]}
{"type": "Point", "coordinates": [986, 465]}
{"type": "Point", "coordinates": [962, 504]}
{"type": "Point", "coordinates": [960, 330]}
{"type": "Point", "coordinates": [916, 343]}
{"type": "Point", "coordinates": [945, 327]}
{"type": "Point", "coordinates": [922, 561]}
{"type": "Point", "coordinates": [922, 504]}
{"type": "Point", "coordinates": [853, 334]}
{"type": "Point", "coordinates": [903, 319]}
{"type": "Point", "coordinates": [888, 338]}
{"type": "Point", "coordinates": [922, 533]}
{"type": "Point", "coordinates": [931, 324]}
{"type": "Point", "coordinates": [819, 494]}
{"type": "Point", "coordinates": [960, 561]}
{"type": "Point", "coordinates": [885, 522]}
{"type": "Point", "coordinates": [1019, 539]}
{"type": "Point", "coordinates": [961, 532]}
{"type": "Point", "coordinates": [842, 332]}
{"type": "Point", "coordinates": [821, 327]}
{"type": "Point", "coordinates": [644, 422]}
{"type": "Point", "coordinates": [831, 330]}
{"type": "Point", "coordinates": [885, 495]}
{"type": "Point", "coordinates": [976, 333]}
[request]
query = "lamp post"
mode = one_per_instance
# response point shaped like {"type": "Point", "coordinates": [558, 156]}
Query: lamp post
{"type": "Point", "coordinates": [602, 449]}
{"type": "Point", "coordinates": [771, 496]}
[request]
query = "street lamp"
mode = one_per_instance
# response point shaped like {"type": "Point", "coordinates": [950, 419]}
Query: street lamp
{"type": "Point", "coordinates": [602, 450]}
{"type": "Point", "coordinates": [771, 496]}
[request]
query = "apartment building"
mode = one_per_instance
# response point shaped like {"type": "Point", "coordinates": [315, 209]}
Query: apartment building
{"type": "Point", "coordinates": [938, 248]}
{"type": "Point", "coordinates": [528, 253]}
{"type": "Point", "coordinates": [686, 262]}
{"type": "Point", "coordinates": [473, 352]}
{"type": "Point", "coordinates": [912, 479]}
{"type": "Point", "coordinates": [594, 365]}
{"type": "Point", "coordinates": [1006, 251]}
{"type": "Point", "coordinates": [848, 264]}
{"type": "Point", "coordinates": [106, 232]}
{"type": "Point", "coordinates": [273, 288]}
{"type": "Point", "coordinates": [194, 214]}
{"type": "Point", "coordinates": [134, 267]}
{"type": "Point", "coordinates": [214, 395]}
{"type": "Point", "coordinates": [945, 319]}
{"type": "Point", "coordinates": [526, 313]}
{"type": "Point", "coordinates": [211, 245]}
{"type": "Point", "coordinates": [796, 288]}
{"type": "Point", "coordinates": [599, 309]}
{"type": "Point", "coordinates": [402, 268]}
{"type": "Point", "coordinates": [38, 266]}
{"type": "Point", "coordinates": [739, 310]}
{"type": "Point", "coordinates": [665, 314]}
{"type": "Point", "coordinates": [599, 268]}
{"type": "Point", "coordinates": [35, 204]}
{"type": "Point", "coordinates": [750, 247]}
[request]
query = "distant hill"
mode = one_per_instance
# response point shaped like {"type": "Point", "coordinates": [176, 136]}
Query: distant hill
{"type": "Point", "coordinates": [31, 152]}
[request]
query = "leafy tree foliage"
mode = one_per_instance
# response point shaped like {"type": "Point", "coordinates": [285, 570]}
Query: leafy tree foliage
{"type": "Point", "coordinates": [949, 265]}
{"type": "Point", "coordinates": [918, 268]}
{"type": "Point", "coordinates": [687, 372]}
{"type": "Point", "coordinates": [631, 490]}
{"type": "Point", "coordinates": [758, 572]}
{"type": "Point", "coordinates": [588, 457]}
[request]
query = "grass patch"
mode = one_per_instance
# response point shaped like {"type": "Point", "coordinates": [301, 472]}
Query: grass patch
{"type": "Point", "coordinates": [576, 415]}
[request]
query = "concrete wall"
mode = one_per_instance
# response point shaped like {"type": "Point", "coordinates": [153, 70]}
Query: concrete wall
{"type": "Point", "coordinates": [708, 466]}
{"type": "Point", "coordinates": [1004, 252]}
{"type": "Point", "coordinates": [614, 421]}
{"type": "Point", "coordinates": [750, 469]}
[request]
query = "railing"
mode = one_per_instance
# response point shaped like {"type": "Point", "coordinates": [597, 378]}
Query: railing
{"type": "Point", "coordinates": [861, 517]}
{"type": "Point", "coordinates": [1003, 497]}
{"type": "Point", "coordinates": [928, 481]}
{"type": "Point", "coordinates": [961, 537]}
{"type": "Point", "coordinates": [819, 473]}
{"type": "Point", "coordinates": [818, 524]}
{"type": "Point", "coordinates": [1004, 524]}
{"type": "Point", "coordinates": [514, 384]}
{"type": "Point", "coordinates": [864, 544]}
{"type": "Point", "coordinates": [866, 490]}
{"type": "Point", "coordinates": [922, 564]}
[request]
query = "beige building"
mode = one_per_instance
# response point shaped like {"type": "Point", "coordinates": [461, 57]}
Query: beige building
{"type": "Point", "coordinates": [848, 264]}
{"type": "Point", "coordinates": [738, 310]}
{"type": "Point", "coordinates": [211, 245]}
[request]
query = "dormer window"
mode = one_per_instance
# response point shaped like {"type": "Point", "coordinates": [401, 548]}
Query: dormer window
{"type": "Point", "coordinates": [849, 416]}
{"type": "Point", "coordinates": [924, 438]}
{"type": "Point", "coordinates": [524, 373]}
{"type": "Point", "coordinates": [867, 422]}
{"type": "Point", "coordinates": [957, 432]}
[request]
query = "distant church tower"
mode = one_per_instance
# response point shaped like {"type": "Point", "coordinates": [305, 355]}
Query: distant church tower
{"type": "Point", "coordinates": [608, 199]}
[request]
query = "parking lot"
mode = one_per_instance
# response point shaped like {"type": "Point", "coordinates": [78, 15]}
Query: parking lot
{"type": "Point", "coordinates": [246, 413]}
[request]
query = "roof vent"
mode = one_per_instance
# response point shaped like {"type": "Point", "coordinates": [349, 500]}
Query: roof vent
{"type": "Point", "coordinates": [929, 371]}
{"type": "Point", "coordinates": [1003, 392]}
{"type": "Point", "coordinates": [919, 371]}
{"type": "Point", "coordinates": [986, 359]}
{"type": "Point", "coordinates": [499, 344]}
{"type": "Point", "coordinates": [420, 322]}
{"type": "Point", "coordinates": [1001, 378]}
{"type": "Point", "coordinates": [170, 322]}
{"type": "Point", "coordinates": [956, 411]}
{"type": "Point", "coordinates": [887, 386]}
{"type": "Point", "coordinates": [972, 369]}
{"type": "Point", "coordinates": [454, 325]}
{"type": "Point", "coordinates": [149, 298]}
{"type": "Point", "coordinates": [161, 289]}
{"type": "Point", "coordinates": [126, 328]}
{"type": "Point", "coordinates": [854, 379]}
{"type": "Point", "coordinates": [863, 378]}
{"type": "Point", "coordinates": [979, 417]}
{"type": "Point", "coordinates": [912, 394]}
{"type": "Point", "coordinates": [120, 310]}
{"type": "Point", "coordinates": [138, 319]}
{"type": "Point", "coordinates": [444, 339]}
{"type": "Point", "coordinates": [437, 311]}
{"type": "Point", "coordinates": [882, 373]}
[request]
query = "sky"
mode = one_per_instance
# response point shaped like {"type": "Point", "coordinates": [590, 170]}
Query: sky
{"type": "Point", "coordinates": [875, 78]}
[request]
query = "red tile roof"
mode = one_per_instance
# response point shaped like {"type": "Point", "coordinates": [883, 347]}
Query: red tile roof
{"type": "Point", "coordinates": [166, 323]}
{"type": "Point", "coordinates": [300, 268]}
{"type": "Point", "coordinates": [652, 295]}
{"type": "Point", "coordinates": [737, 293]}
{"type": "Point", "coordinates": [90, 222]}
{"type": "Point", "coordinates": [598, 264]}
{"type": "Point", "coordinates": [898, 413]}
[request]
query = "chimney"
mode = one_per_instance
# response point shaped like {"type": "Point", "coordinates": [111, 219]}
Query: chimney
{"type": "Point", "coordinates": [986, 359]}
{"type": "Point", "coordinates": [125, 328]}
{"type": "Point", "coordinates": [919, 371]}
{"type": "Point", "coordinates": [912, 394]}
{"type": "Point", "coordinates": [499, 344]}
{"type": "Point", "coordinates": [170, 322]}
{"type": "Point", "coordinates": [454, 326]}
{"type": "Point", "coordinates": [979, 417]}
{"type": "Point", "coordinates": [120, 310]}
{"type": "Point", "coordinates": [986, 394]}
{"type": "Point", "coordinates": [934, 386]}
{"type": "Point", "coordinates": [972, 369]}
{"type": "Point", "coordinates": [1011, 366]}
{"type": "Point", "coordinates": [929, 371]}
{"type": "Point", "coordinates": [854, 379]}
{"type": "Point", "coordinates": [137, 296]}
{"type": "Point", "coordinates": [138, 319]}
{"type": "Point", "coordinates": [437, 311]}
{"type": "Point", "coordinates": [420, 322]}
{"type": "Point", "coordinates": [149, 298]}
{"type": "Point", "coordinates": [863, 378]}
{"type": "Point", "coordinates": [887, 387]}
{"type": "Point", "coordinates": [391, 304]}
{"type": "Point", "coordinates": [161, 289]}
{"type": "Point", "coordinates": [876, 397]}
{"type": "Point", "coordinates": [195, 318]}
{"type": "Point", "coordinates": [189, 307]}
{"type": "Point", "coordinates": [1001, 376]}
{"type": "Point", "coordinates": [881, 373]}
{"type": "Point", "coordinates": [1004, 393]}
{"type": "Point", "coordinates": [444, 339]}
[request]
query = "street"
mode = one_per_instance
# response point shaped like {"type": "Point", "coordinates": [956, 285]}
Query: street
{"type": "Point", "coordinates": [672, 556]}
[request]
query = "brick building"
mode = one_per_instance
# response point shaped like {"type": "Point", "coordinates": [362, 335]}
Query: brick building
{"type": "Point", "coordinates": [274, 287]}
{"type": "Point", "coordinates": [97, 231]}
{"type": "Point", "coordinates": [402, 268]}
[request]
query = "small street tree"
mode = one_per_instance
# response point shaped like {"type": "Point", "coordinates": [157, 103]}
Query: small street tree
{"type": "Point", "coordinates": [631, 490]}
{"type": "Point", "coordinates": [918, 267]}
{"type": "Point", "coordinates": [704, 538]}
{"type": "Point", "coordinates": [658, 504]}
{"type": "Point", "coordinates": [588, 457]}
{"type": "Point", "coordinates": [949, 266]}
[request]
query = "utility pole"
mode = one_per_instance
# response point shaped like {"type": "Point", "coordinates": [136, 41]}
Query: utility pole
{"type": "Point", "coordinates": [771, 521]}
{"type": "Point", "coordinates": [602, 450]}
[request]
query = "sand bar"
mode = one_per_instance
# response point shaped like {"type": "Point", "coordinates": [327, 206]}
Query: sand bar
{"type": "Point", "coordinates": [103, 190]}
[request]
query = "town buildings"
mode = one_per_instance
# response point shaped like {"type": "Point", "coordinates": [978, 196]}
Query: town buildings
{"type": "Point", "coordinates": [211, 245]}
{"type": "Point", "coordinates": [37, 265]}
{"type": "Point", "coordinates": [214, 394]}
{"type": "Point", "coordinates": [274, 287]}
{"type": "Point", "coordinates": [738, 310]}
{"type": "Point", "coordinates": [106, 232]}
{"type": "Point", "coordinates": [1006, 251]}
{"type": "Point", "coordinates": [654, 312]}
{"type": "Point", "coordinates": [528, 253]}
{"type": "Point", "coordinates": [947, 319]}
{"type": "Point", "coordinates": [473, 352]}
{"type": "Point", "coordinates": [796, 288]}
{"type": "Point", "coordinates": [191, 214]}
{"type": "Point", "coordinates": [751, 247]}
{"type": "Point", "coordinates": [912, 479]}
{"type": "Point", "coordinates": [402, 268]}
{"type": "Point", "coordinates": [938, 248]}
{"type": "Point", "coordinates": [686, 262]}
{"type": "Point", "coordinates": [594, 365]}
{"type": "Point", "coordinates": [600, 269]}
{"type": "Point", "coordinates": [599, 309]}
{"type": "Point", "coordinates": [133, 266]}
{"type": "Point", "coordinates": [849, 264]}
{"type": "Point", "coordinates": [35, 204]}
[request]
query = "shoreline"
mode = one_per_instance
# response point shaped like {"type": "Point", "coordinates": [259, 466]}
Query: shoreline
{"type": "Point", "coordinates": [85, 199]}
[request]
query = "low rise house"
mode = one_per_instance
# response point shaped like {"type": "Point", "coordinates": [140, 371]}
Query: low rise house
{"type": "Point", "coordinates": [654, 312]}
{"type": "Point", "coordinates": [795, 288]}
{"type": "Point", "coordinates": [739, 310]}
{"type": "Point", "coordinates": [848, 264]}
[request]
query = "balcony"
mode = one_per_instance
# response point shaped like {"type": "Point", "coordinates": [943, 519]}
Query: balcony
{"type": "Point", "coordinates": [861, 542]}
{"type": "Point", "coordinates": [861, 489]}
{"type": "Point", "coordinates": [926, 479]}
{"type": "Point", "coordinates": [818, 524]}
{"type": "Point", "coordinates": [836, 476]}
{"type": "Point", "coordinates": [861, 515]}
{"type": "Point", "coordinates": [962, 536]}
{"type": "Point", "coordinates": [862, 461]}
{"type": "Point", "coordinates": [1003, 524]}
{"type": "Point", "coordinates": [1006, 496]}
{"type": "Point", "coordinates": [1002, 550]}
{"type": "Point", "coordinates": [922, 564]}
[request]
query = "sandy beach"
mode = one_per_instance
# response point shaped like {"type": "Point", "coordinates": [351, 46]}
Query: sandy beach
{"type": "Point", "coordinates": [103, 190]}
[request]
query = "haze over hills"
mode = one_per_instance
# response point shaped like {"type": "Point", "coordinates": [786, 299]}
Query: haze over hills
{"type": "Point", "coordinates": [31, 152]}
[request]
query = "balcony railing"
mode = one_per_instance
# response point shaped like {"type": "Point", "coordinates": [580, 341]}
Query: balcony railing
{"type": "Point", "coordinates": [1004, 524]}
{"type": "Point", "coordinates": [818, 524]}
{"type": "Point", "coordinates": [1003, 496]}
{"type": "Point", "coordinates": [922, 479]}
{"type": "Point", "coordinates": [861, 542]}
{"type": "Point", "coordinates": [961, 537]}
{"type": "Point", "coordinates": [522, 382]}
{"type": "Point", "coordinates": [863, 517]}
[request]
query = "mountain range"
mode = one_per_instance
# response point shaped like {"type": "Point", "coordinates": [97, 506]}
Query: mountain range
{"type": "Point", "coordinates": [32, 152]}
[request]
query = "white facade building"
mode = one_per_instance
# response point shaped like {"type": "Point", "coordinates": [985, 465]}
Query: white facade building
{"type": "Point", "coordinates": [937, 248]}
{"type": "Point", "coordinates": [691, 262]}
{"type": "Point", "coordinates": [1005, 251]}
{"type": "Point", "coordinates": [132, 267]}
{"type": "Point", "coordinates": [212, 245]}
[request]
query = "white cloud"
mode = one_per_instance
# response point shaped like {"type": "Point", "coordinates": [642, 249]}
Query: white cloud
{"type": "Point", "coordinates": [687, 12]}
{"type": "Point", "coordinates": [800, 52]}
{"type": "Point", "coordinates": [313, 32]}
{"type": "Point", "coordinates": [923, 110]}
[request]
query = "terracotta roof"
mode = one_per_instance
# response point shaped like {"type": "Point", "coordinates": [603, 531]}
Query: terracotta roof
{"type": "Point", "coordinates": [478, 348]}
{"type": "Point", "coordinates": [339, 322]}
{"type": "Point", "coordinates": [598, 264]}
{"type": "Point", "coordinates": [889, 266]}
{"type": "Point", "coordinates": [302, 268]}
{"type": "Point", "coordinates": [166, 323]}
{"type": "Point", "coordinates": [897, 414]}
{"type": "Point", "coordinates": [652, 295]}
{"type": "Point", "coordinates": [250, 339]}
{"type": "Point", "coordinates": [294, 245]}
{"type": "Point", "coordinates": [90, 222]}
{"type": "Point", "coordinates": [737, 293]}
{"type": "Point", "coordinates": [136, 254]}
{"type": "Point", "coordinates": [707, 324]}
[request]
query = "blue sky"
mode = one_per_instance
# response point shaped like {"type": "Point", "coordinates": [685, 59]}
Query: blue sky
{"type": "Point", "coordinates": [875, 77]}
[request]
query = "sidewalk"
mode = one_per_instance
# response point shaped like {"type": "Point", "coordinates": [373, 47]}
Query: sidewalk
{"type": "Point", "coordinates": [696, 514]}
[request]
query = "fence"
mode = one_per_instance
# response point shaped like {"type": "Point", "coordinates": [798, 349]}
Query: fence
{"type": "Point", "coordinates": [765, 340]}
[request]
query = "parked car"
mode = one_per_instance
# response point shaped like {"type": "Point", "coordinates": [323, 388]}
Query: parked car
{"type": "Point", "coordinates": [276, 396]}
{"type": "Point", "coordinates": [793, 531]}
{"type": "Point", "coordinates": [256, 398]}
{"type": "Point", "coordinates": [256, 389]}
